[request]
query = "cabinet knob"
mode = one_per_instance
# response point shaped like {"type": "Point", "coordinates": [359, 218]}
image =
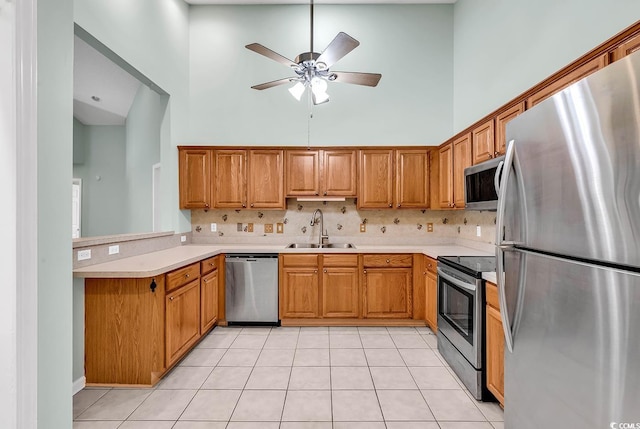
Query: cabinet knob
{"type": "Point", "coordinates": [429, 265]}
{"type": "Point", "coordinates": [424, 273]}
{"type": "Point", "coordinates": [316, 194]}
{"type": "Point", "coordinates": [251, 204]}
{"type": "Point", "coordinates": [496, 153]}
{"type": "Point", "coordinates": [365, 271]}
{"type": "Point", "coordinates": [244, 205]}
{"type": "Point", "coordinates": [325, 192]}
{"type": "Point", "coordinates": [171, 298]}
{"type": "Point", "coordinates": [390, 205]}
{"type": "Point", "coordinates": [399, 205]}
{"type": "Point", "coordinates": [388, 261]}
{"type": "Point", "coordinates": [206, 205]}
{"type": "Point", "coordinates": [186, 276]}
{"type": "Point", "coordinates": [324, 271]}
{"type": "Point", "coordinates": [490, 156]}
{"type": "Point", "coordinates": [315, 271]}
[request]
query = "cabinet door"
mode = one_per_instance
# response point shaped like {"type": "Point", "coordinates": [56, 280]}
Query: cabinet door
{"type": "Point", "coordinates": [461, 160]}
{"type": "Point", "coordinates": [195, 178]}
{"type": "Point", "coordinates": [339, 173]}
{"type": "Point", "coordinates": [376, 179]}
{"type": "Point", "coordinates": [445, 165]}
{"type": "Point", "coordinates": [182, 320]}
{"type": "Point", "coordinates": [299, 293]}
{"type": "Point", "coordinates": [265, 185]}
{"type": "Point", "coordinates": [626, 48]}
{"type": "Point", "coordinates": [388, 293]}
{"type": "Point", "coordinates": [571, 77]}
{"type": "Point", "coordinates": [495, 353]}
{"type": "Point", "coordinates": [432, 300]}
{"type": "Point", "coordinates": [501, 125]}
{"type": "Point", "coordinates": [208, 301]}
{"type": "Point", "coordinates": [302, 173]}
{"type": "Point", "coordinates": [340, 292]}
{"type": "Point", "coordinates": [412, 179]}
{"type": "Point", "coordinates": [230, 179]}
{"type": "Point", "coordinates": [482, 138]}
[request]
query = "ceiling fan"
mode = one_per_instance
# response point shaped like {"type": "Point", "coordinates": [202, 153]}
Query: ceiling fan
{"type": "Point", "coordinates": [312, 69]}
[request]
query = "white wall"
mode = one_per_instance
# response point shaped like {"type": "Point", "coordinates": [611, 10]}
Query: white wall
{"type": "Point", "coordinates": [410, 45]}
{"type": "Point", "coordinates": [504, 47]}
{"type": "Point", "coordinates": [54, 159]}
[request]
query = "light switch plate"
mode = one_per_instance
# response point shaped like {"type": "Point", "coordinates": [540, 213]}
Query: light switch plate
{"type": "Point", "coordinates": [214, 227]}
{"type": "Point", "coordinates": [183, 239]}
{"type": "Point", "coordinates": [479, 231]}
{"type": "Point", "coordinates": [279, 227]}
{"type": "Point", "coordinates": [83, 255]}
{"type": "Point", "coordinates": [114, 250]}
{"type": "Point", "coordinates": [268, 228]}
{"type": "Point", "coordinates": [249, 227]}
{"type": "Point", "coordinates": [429, 227]}
{"type": "Point", "coordinates": [363, 227]}
{"type": "Point", "coordinates": [239, 226]}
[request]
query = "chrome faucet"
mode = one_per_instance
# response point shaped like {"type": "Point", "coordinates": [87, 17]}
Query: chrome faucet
{"type": "Point", "coordinates": [323, 238]}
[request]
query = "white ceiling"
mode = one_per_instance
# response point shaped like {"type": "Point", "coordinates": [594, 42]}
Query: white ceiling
{"type": "Point", "coordinates": [96, 75]}
{"type": "Point", "coordinates": [320, 1]}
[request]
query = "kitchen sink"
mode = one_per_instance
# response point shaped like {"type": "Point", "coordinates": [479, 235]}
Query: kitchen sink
{"type": "Point", "coordinates": [324, 246]}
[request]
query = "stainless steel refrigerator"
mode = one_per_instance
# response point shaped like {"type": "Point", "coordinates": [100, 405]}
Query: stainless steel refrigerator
{"type": "Point", "coordinates": [568, 256]}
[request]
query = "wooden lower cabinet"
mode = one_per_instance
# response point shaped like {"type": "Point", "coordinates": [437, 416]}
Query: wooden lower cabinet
{"type": "Point", "coordinates": [388, 293]}
{"type": "Point", "coordinates": [494, 344]}
{"type": "Point", "coordinates": [208, 301]}
{"type": "Point", "coordinates": [340, 292]}
{"type": "Point", "coordinates": [299, 292]}
{"type": "Point", "coordinates": [431, 274]}
{"type": "Point", "coordinates": [182, 320]}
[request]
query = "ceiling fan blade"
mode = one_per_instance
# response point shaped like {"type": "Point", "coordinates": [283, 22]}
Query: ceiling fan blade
{"type": "Point", "coordinates": [273, 83]}
{"type": "Point", "coordinates": [366, 79]}
{"type": "Point", "coordinates": [263, 50]}
{"type": "Point", "coordinates": [340, 46]}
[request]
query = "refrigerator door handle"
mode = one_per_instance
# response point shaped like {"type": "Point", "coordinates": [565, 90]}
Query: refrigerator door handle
{"type": "Point", "coordinates": [507, 164]}
{"type": "Point", "coordinates": [502, 297]}
{"type": "Point", "coordinates": [496, 178]}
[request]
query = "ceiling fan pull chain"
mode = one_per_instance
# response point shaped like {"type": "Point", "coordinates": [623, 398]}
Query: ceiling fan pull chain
{"type": "Point", "coordinates": [311, 50]}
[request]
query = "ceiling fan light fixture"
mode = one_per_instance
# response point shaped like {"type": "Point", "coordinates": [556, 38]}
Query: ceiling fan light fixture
{"type": "Point", "coordinates": [297, 90]}
{"type": "Point", "coordinates": [319, 97]}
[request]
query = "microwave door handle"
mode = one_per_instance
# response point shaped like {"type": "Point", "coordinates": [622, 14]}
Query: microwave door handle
{"type": "Point", "coordinates": [457, 282]}
{"type": "Point", "coordinates": [496, 178]}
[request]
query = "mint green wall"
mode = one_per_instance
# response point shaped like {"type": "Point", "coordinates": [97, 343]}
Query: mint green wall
{"type": "Point", "coordinates": [504, 47]}
{"type": "Point", "coordinates": [104, 200]}
{"type": "Point", "coordinates": [142, 152]}
{"type": "Point", "coordinates": [153, 36]}
{"type": "Point", "coordinates": [411, 45]}
{"type": "Point", "coordinates": [54, 159]}
{"type": "Point", "coordinates": [78, 141]}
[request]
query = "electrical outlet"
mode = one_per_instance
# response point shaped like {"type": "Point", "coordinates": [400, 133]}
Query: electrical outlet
{"type": "Point", "coordinates": [479, 231]}
{"type": "Point", "coordinates": [249, 227]}
{"type": "Point", "coordinates": [114, 250]}
{"type": "Point", "coordinates": [279, 227]}
{"type": "Point", "coordinates": [430, 227]}
{"type": "Point", "coordinates": [268, 228]}
{"type": "Point", "coordinates": [183, 239]}
{"type": "Point", "coordinates": [83, 255]}
{"type": "Point", "coordinates": [239, 226]}
{"type": "Point", "coordinates": [214, 227]}
{"type": "Point", "coordinates": [363, 227]}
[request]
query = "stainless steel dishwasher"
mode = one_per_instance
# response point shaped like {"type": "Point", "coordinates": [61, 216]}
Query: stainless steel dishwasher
{"type": "Point", "coordinates": [251, 289]}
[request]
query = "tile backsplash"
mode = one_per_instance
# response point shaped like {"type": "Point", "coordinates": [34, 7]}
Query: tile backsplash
{"type": "Point", "coordinates": [342, 221]}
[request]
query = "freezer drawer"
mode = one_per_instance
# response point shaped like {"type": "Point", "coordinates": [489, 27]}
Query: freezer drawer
{"type": "Point", "coordinates": [575, 344]}
{"type": "Point", "coordinates": [251, 288]}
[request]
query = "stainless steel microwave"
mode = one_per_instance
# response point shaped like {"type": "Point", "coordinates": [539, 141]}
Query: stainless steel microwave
{"type": "Point", "coordinates": [481, 184]}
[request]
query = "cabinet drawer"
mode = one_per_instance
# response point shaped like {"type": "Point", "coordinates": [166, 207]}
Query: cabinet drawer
{"type": "Point", "coordinates": [491, 291]}
{"type": "Point", "coordinates": [182, 276]}
{"type": "Point", "coordinates": [431, 265]}
{"type": "Point", "coordinates": [209, 265]}
{"type": "Point", "coordinates": [306, 260]}
{"type": "Point", "coordinates": [396, 260]}
{"type": "Point", "coordinates": [340, 260]}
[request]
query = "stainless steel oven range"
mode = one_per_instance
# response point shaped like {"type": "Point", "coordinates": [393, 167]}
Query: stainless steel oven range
{"type": "Point", "coordinates": [461, 328]}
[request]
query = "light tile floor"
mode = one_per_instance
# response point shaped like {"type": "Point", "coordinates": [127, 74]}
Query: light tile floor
{"type": "Point", "coordinates": [298, 378]}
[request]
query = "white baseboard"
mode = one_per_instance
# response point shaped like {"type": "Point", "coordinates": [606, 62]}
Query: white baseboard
{"type": "Point", "coordinates": [79, 384]}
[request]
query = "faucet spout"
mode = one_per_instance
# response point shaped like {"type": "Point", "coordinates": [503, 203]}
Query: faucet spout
{"type": "Point", "coordinates": [323, 237]}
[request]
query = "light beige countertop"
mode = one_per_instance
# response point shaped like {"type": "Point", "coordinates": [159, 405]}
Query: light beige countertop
{"type": "Point", "coordinates": [155, 263]}
{"type": "Point", "coordinates": [490, 277]}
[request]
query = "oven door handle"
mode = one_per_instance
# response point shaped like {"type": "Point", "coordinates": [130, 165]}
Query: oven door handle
{"type": "Point", "coordinates": [455, 281]}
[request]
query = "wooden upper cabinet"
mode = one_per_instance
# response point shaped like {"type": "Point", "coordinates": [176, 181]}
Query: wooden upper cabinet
{"type": "Point", "coordinates": [412, 178]}
{"type": "Point", "coordinates": [230, 179]}
{"type": "Point", "coordinates": [303, 173]}
{"type": "Point", "coordinates": [194, 167]}
{"type": "Point", "coordinates": [376, 179]}
{"type": "Point", "coordinates": [265, 181]}
{"type": "Point", "coordinates": [445, 166]}
{"type": "Point", "coordinates": [461, 160]}
{"type": "Point", "coordinates": [483, 143]}
{"type": "Point", "coordinates": [501, 126]}
{"type": "Point", "coordinates": [626, 48]}
{"type": "Point", "coordinates": [339, 173]}
{"type": "Point", "coordinates": [575, 75]}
